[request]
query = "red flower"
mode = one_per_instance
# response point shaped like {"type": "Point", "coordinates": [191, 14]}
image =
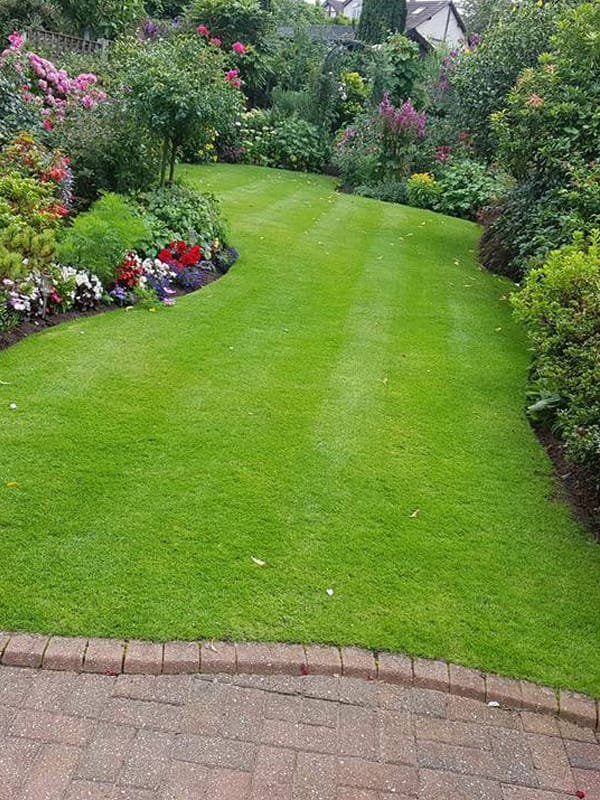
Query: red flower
{"type": "Point", "coordinates": [579, 793]}
{"type": "Point", "coordinates": [202, 30]}
{"type": "Point", "coordinates": [216, 41]}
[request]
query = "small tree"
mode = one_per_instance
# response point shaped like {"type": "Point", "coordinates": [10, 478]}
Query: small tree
{"type": "Point", "coordinates": [179, 89]}
{"type": "Point", "coordinates": [380, 18]}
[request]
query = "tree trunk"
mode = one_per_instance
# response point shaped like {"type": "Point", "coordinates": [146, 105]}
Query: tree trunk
{"type": "Point", "coordinates": [164, 161]}
{"type": "Point", "coordinates": [174, 147]}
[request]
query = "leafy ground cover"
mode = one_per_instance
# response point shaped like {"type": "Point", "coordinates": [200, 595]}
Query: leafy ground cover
{"type": "Point", "coordinates": [344, 405]}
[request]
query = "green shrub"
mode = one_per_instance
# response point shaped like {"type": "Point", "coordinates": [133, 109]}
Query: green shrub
{"type": "Point", "coordinates": [99, 238]}
{"type": "Point", "coordinates": [357, 154]}
{"type": "Point", "coordinates": [390, 191]}
{"type": "Point", "coordinates": [466, 186]}
{"type": "Point", "coordinates": [180, 212]}
{"type": "Point", "coordinates": [110, 150]}
{"type": "Point", "coordinates": [560, 305]}
{"type": "Point", "coordinates": [297, 144]}
{"type": "Point", "coordinates": [423, 191]}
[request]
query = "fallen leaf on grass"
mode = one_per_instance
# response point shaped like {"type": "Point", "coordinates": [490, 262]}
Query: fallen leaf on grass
{"type": "Point", "coordinates": [211, 646]}
{"type": "Point", "coordinates": [259, 562]}
{"type": "Point", "coordinates": [385, 381]}
{"type": "Point", "coordinates": [329, 592]}
{"type": "Point", "coordinates": [13, 406]}
{"type": "Point", "coordinates": [415, 513]}
{"type": "Point", "coordinates": [12, 484]}
{"type": "Point", "coordinates": [4, 383]}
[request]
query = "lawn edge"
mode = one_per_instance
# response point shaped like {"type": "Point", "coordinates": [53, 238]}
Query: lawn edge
{"type": "Point", "coordinates": [136, 657]}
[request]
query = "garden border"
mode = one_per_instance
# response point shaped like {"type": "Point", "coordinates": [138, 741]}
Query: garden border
{"type": "Point", "coordinates": [135, 657]}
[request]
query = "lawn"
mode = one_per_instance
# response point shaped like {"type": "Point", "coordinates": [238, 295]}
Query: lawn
{"type": "Point", "coordinates": [345, 405]}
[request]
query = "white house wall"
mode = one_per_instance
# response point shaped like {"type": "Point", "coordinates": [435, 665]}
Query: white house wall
{"type": "Point", "coordinates": [434, 29]}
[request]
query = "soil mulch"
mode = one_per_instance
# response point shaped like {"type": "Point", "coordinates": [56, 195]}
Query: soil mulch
{"type": "Point", "coordinates": [572, 484]}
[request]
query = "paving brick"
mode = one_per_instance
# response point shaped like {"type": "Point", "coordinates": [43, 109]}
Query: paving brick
{"type": "Point", "coordinates": [395, 668]}
{"type": "Point", "coordinates": [319, 712]}
{"type": "Point", "coordinates": [513, 756]}
{"type": "Point", "coordinates": [424, 702]}
{"type": "Point", "coordinates": [218, 657]}
{"type": "Point", "coordinates": [578, 708]}
{"type": "Point", "coordinates": [127, 793]}
{"type": "Point", "coordinates": [226, 784]}
{"type": "Point", "coordinates": [185, 781]}
{"type": "Point", "coordinates": [588, 781]}
{"type": "Point", "coordinates": [315, 777]}
{"type": "Point", "coordinates": [551, 764]}
{"type": "Point", "coordinates": [242, 713]}
{"type": "Point", "coordinates": [464, 734]}
{"type": "Point", "coordinates": [142, 714]}
{"type": "Point", "coordinates": [266, 659]}
{"type": "Point", "coordinates": [181, 657]}
{"type": "Point", "coordinates": [358, 663]}
{"type": "Point", "coordinates": [104, 656]}
{"type": "Point", "coordinates": [323, 660]}
{"type": "Point", "coordinates": [274, 767]}
{"type": "Point", "coordinates": [171, 689]}
{"type": "Point", "coordinates": [214, 752]}
{"type": "Point", "coordinates": [396, 744]}
{"type": "Point", "coordinates": [463, 760]}
{"type": "Point", "coordinates": [583, 755]}
{"type": "Point", "coordinates": [49, 727]}
{"type": "Point", "coordinates": [88, 790]}
{"type": "Point", "coordinates": [24, 650]}
{"type": "Point", "coordinates": [326, 687]}
{"type": "Point", "coordinates": [539, 698]}
{"type": "Point", "coordinates": [569, 730]}
{"type": "Point", "coordinates": [65, 653]}
{"type": "Point", "coordinates": [279, 706]}
{"type": "Point", "coordinates": [15, 685]}
{"type": "Point", "coordinates": [143, 658]}
{"type": "Point", "coordinates": [148, 760]}
{"type": "Point", "coordinates": [50, 691]}
{"type": "Point", "coordinates": [51, 773]}
{"type": "Point", "coordinates": [522, 793]}
{"type": "Point", "coordinates": [4, 637]}
{"type": "Point", "coordinates": [357, 692]}
{"type": "Point", "coordinates": [359, 732]}
{"type": "Point", "coordinates": [393, 778]}
{"type": "Point", "coordinates": [106, 753]}
{"type": "Point", "coordinates": [443, 785]}
{"type": "Point", "coordinates": [88, 695]}
{"type": "Point", "coordinates": [468, 710]}
{"type": "Point", "coordinates": [17, 757]}
{"type": "Point", "coordinates": [467, 682]}
{"type": "Point", "coordinates": [280, 733]}
{"type": "Point", "coordinates": [539, 723]}
{"type": "Point", "coordinates": [505, 691]}
{"type": "Point", "coordinates": [431, 674]}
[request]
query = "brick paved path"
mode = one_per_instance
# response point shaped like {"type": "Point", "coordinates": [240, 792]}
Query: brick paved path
{"type": "Point", "coordinates": [75, 736]}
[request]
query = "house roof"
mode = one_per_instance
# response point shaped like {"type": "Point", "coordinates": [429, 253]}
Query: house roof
{"type": "Point", "coordinates": [420, 11]}
{"type": "Point", "coordinates": [417, 11]}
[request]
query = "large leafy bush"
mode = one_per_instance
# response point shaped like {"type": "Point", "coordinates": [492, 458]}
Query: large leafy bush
{"type": "Point", "coordinates": [560, 305]}
{"type": "Point", "coordinates": [100, 237]}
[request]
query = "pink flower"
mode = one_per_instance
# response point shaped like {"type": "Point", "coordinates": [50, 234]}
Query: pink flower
{"type": "Point", "coordinates": [48, 125]}
{"type": "Point", "coordinates": [87, 101]}
{"type": "Point", "coordinates": [239, 48]}
{"type": "Point", "coordinates": [202, 30]}
{"type": "Point", "coordinates": [231, 75]}
{"type": "Point", "coordinates": [216, 41]}
{"type": "Point", "coordinates": [16, 40]}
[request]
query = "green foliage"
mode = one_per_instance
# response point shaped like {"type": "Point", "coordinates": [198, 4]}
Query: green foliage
{"type": "Point", "coordinates": [104, 17]}
{"type": "Point", "coordinates": [110, 149]}
{"type": "Point", "coordinates": [17, 14]}
{"type": "Point", "coordinates": [231, 20]}
{"type": "Point", "coordinates": [180, 212]}
{"type": "Point", "coordinates": [287, 142]}
{"type": "Point", "coordinates": [15, 114]}
{"type": "Point", "coordinates": [423, 191]}
{"type": "Point", "coordinates": [178, 90]}
{"type": "Point", "coordinates": [466, 187]}
{"type": "Point", "coordinates": [379, 18]}
{"type": "Point", "coordinates": [100, 237]}
{"type": "Point", "coordinates": [560, 305]}
{"type": "Point", "coordinates": [22, 249]}
{"type": "Point", "coordinates": [357, 154]}
{"type": "Point", "coordinates": [481, 15]}
{"type": "Point", "coordinates": [389, 191]}
{"type": "Point", "coordinates": [482, 78]}
{"type": "Point", "coordinates": [394, 68]}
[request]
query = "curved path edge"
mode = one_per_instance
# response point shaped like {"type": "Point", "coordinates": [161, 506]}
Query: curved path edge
{"type": "Point", "coordinates": [135, 657]}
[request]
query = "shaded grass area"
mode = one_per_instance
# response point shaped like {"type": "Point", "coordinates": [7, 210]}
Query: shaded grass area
{"type": "Point", "coordinates": [353, 367]}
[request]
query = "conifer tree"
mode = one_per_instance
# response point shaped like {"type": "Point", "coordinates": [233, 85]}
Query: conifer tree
{"type": "Point", "coordinates": [379, 18]}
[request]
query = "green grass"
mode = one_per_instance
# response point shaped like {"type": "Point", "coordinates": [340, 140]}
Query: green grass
{"type": "Point", "coordinates": [354, 366]}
